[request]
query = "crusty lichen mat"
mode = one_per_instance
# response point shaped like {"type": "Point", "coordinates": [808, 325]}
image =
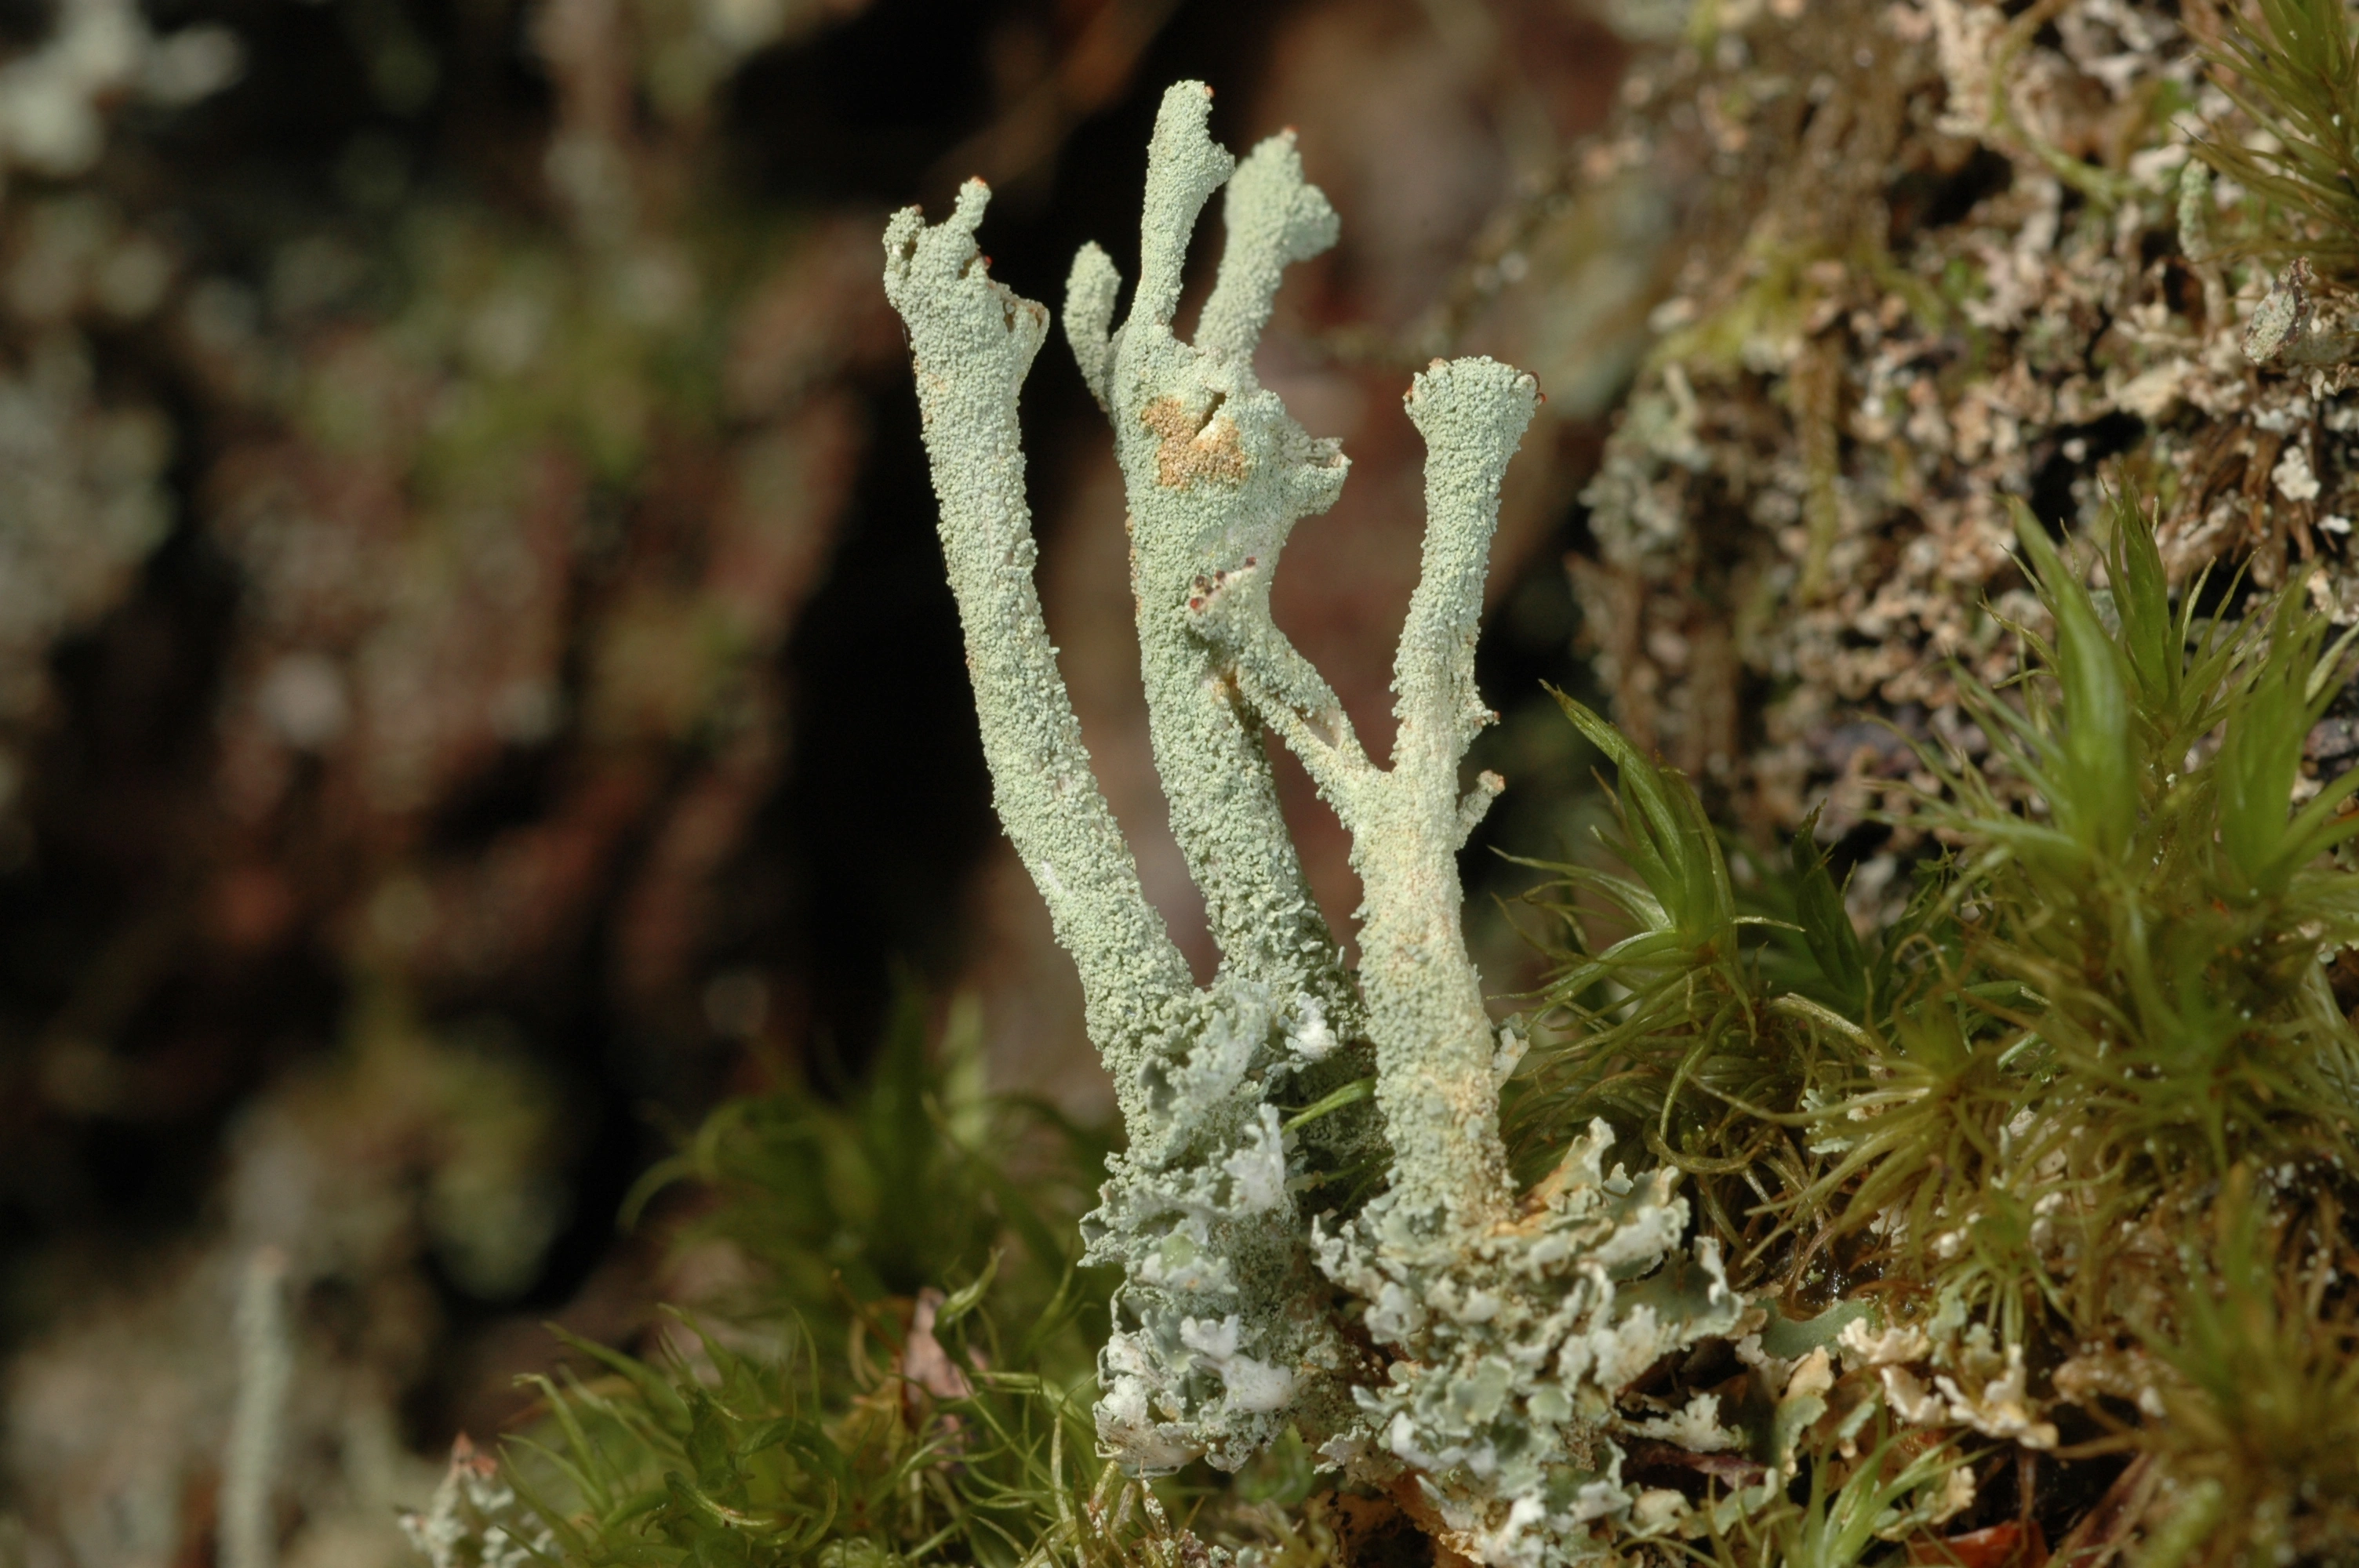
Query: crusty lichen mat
{"type": "Point", "coordinates": [1449, 1328]}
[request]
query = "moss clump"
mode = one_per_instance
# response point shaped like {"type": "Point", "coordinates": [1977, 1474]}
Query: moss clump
{"type": "Point", "coordinates": [898, 1371]}
{"type": "Point", "coordinates": [2074, 1128]}
{"type": "Point", "coordinates": [912, 1179]}
{"type": "Point", "coordinates": [2293, 70]}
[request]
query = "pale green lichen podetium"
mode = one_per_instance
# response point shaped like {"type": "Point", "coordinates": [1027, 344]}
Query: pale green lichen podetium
{"type": "Point", "coordinates": [1507, 1326]}
{"type": "Point", "coordinates": [1214, 1353]}
{"type": "Point", "coordinates": [974, 341]}
{"type": "Point", "coordinates": [1215, 468]}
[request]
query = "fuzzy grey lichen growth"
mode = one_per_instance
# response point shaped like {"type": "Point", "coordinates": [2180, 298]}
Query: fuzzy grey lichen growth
{"type": "Point", "coordinates": [1216, 473]}
{"type": "Point", "coordinates": [1516, 1338]}
{"type": "Point", "coordinates": [1507, 1325]}
{"type": "Point", "coordinates": [972, 341]}
{"type": "Point", "coordinates": [1218, 1344]}
{"type": "Point", "coordinates": [476, 1520]}
{"type": "Point", "coordinates": [1212, 1354]}
{"type": "Point", "coordinates": [1436, 1052]}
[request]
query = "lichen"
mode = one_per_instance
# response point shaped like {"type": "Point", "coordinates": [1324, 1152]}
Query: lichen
{"type": "Point", "coordinates": [1480, 1338]}
{"type": "Point", "coordinates": [1950, 253]}
{"type": "Point", "coordinates": [475, 1519]}
{"type": "Point", "coordinates": [1516, 1340]}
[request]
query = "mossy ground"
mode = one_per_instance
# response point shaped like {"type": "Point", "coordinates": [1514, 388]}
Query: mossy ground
{"type": "Point", "coordinates": [2041, 1186]}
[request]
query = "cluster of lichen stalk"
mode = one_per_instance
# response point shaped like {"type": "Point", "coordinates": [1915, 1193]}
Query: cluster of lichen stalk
{"type": "Point", "coordinates": [1504, 1325]}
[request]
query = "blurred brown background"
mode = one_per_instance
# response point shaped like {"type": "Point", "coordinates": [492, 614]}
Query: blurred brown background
{"type": "Point", "coordinates": [476, 684]}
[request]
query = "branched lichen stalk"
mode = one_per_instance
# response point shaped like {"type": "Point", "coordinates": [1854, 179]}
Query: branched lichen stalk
{"type": "Point", "coordinates": [972, 341]}
{"type": "Point", "coordinates": [1214, 470]}
{"type": "Point", "coordinates": [1436, 1052]}
{"type": "Point", "coordinates": [1210, 1354]}
{"type": "Point", "coordinates": [1480, 1339]}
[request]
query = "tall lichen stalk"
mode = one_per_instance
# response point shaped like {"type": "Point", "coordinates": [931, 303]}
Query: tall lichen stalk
{"type": "Point", "coordinates": [1477, 1336]}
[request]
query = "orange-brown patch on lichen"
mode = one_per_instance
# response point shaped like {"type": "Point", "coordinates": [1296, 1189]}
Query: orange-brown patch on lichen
{"type": "Point", "coordinates": [1192, 454]}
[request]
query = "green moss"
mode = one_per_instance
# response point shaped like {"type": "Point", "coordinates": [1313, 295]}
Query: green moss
{"type": "Point", "coordinates": [2105, 1008]}
{"type": "Point", "coordinates": [913, 1180]}
{"type": "Point", "coordinates": [2295, 73]}
{"type": "Point", "coordinates": [715, 1454]}
{"type": "Point", "coordinates": [2262, 1409]}
{"type": "Point", "coordinates": [857, 1403]}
